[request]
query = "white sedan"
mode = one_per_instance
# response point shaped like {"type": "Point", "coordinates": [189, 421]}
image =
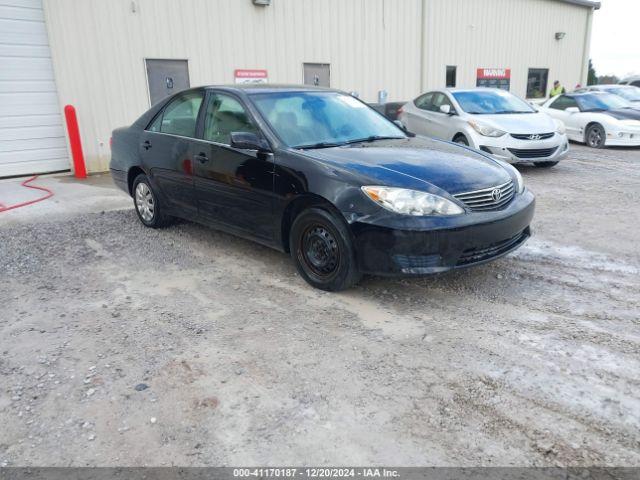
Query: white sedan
{"type": "Point", "coordinates": [596, 118]}
{"type": "Point", "coordinates": [488, 119]}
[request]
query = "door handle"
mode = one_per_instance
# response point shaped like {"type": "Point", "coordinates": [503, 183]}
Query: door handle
{"type": "Point", "coordinates": [201, 158]}
{"type": "Point", "coordinates": [146, 145]}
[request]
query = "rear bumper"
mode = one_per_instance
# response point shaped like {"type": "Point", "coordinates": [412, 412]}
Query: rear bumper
{"type": "Point", "coordinates": [398, 252]}
{"type": "Point", "coordinates": [120, 179]}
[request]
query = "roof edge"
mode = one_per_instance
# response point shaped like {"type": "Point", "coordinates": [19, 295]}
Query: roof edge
{"type": "Point", "coordinates": [584, 3]}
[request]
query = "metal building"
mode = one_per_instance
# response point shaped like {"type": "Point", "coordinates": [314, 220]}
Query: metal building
{"type": "Point", "coordinates": [112, 58]}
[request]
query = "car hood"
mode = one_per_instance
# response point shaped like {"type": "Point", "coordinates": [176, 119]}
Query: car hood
{"type": "Point", "coordinates": [417, 163]}
{"type": "Point", "coordinates": [624, 114]}
{"type": "Point", "coordinates": [519, 123]}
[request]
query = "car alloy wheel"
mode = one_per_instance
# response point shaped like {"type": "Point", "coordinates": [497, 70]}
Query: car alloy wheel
{"type": "Point", "coordinates": [595, 136]}
{"type": "Point", "coordinates": [145, 203]}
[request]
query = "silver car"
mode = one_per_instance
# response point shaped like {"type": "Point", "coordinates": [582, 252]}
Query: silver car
{"type": "Point", "coordinates": [488, 119]}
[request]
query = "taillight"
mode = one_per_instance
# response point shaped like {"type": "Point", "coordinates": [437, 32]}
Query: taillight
{"type": "Point", "coordinates": [400, 111]}
{"type": "Point", "coordinates": [110, 142]}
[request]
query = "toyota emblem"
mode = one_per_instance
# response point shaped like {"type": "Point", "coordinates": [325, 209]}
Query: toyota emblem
{"type": "Point", "coordinates": [535, 136]}
{"type": "Point", "coordinates": [496, 194]}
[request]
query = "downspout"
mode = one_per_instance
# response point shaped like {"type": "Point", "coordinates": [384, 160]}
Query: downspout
{"type": "Point", "coordinates": [423, 26]}
{"type": "Point", "coordinates": [584, 74]}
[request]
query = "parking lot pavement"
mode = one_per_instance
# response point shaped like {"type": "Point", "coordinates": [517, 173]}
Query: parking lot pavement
{"type": "Point", "coordinates": [122, 345]}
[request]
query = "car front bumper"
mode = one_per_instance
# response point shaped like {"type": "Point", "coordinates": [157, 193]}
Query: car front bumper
{"type": "Point", "coordinates": [456, 242]}
{"type": "Point", "coordinates": [623, 138]}
{"type": "Point", "coordinates": [512, 150]}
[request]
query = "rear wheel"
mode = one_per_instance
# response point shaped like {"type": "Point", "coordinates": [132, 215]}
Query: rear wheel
{"type": "Point", "coordinates": [545, 164]}
{"type": "Point", "coordinates": [595, 136]}
{"type": "Point", "coordinates": [146, 204]}
{"type": "Point", "coordinates": [322, 250]}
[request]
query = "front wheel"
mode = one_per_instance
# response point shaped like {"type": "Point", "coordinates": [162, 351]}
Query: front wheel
{"type": "Point", "coordinates": [322, 250]}
{"type": "Point", "coordinates": [545, 164]}
{"type": "Point", "coordinates": [462, 140]}
{"type": "Point", "coordinates": [595, 136]}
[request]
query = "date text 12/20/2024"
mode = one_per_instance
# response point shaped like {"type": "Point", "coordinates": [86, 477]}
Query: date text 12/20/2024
{"type": "Point", "coordinates": [315, 472]}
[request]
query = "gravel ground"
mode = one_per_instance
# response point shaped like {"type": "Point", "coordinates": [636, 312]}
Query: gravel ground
{"type": "Point", "coordinates": [122, 345]}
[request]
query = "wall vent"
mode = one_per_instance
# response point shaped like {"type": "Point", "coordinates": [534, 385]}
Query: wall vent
{"type": "Point", "coordinates": [262, 2]}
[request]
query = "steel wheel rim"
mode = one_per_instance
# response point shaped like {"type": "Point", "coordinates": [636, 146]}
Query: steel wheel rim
{"type": "Point", "coordinates": [595, 137]}
{"type": "Point", "coordinates": [319, 251]}
{"type": "Point", "coordinates": [144, 202]}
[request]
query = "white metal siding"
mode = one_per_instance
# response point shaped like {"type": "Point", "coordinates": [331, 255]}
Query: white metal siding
{"type": "Point", "coordinates": [515, 34]}
{"type": "Point", "coordinates": [32, 139]}
{"type": "Point", "coordinates": [99, 47]}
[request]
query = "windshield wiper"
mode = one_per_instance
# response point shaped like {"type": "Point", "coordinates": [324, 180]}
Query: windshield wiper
{"type": "Point", "coordinates": [312, 146]}
{"type": "Point", "coordinates": [372, 138]}
{"type": "Point", "coordinates": [507, 112]}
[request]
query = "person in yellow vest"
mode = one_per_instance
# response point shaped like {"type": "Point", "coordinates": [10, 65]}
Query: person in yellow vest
{"type": "Point", "coordinates": [557, 89]}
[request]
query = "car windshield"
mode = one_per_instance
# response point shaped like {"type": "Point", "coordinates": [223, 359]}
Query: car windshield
{"type": "Point", "coordinates": [323, 119]}
{"type": "Point", "coordinates": [487, 102]}
{"type": "Point", "coordinates": [598, 102]}
{"type": "Point", "coordinates": [630, 93]}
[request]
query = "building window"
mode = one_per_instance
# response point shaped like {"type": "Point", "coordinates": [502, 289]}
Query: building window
{"type": "Point", "coordinates": [451, 76]}
{"type": "Point", "coordinates": [537, 82]}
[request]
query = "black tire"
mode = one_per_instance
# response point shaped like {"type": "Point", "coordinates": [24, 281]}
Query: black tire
{"type": "Point", "coordinates": [322, 250]}
{"type": "Point", "coordinates": [545, 164]}
{"type": "Point", "coordinates": [595, 136]}
{"type": "Point", "coordinates": [146, 204]}
{"type": "Point", "coordinates": [461, 139]}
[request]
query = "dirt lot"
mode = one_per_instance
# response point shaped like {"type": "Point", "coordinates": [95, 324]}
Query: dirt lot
{"type": "Point", "coordinates": [122, 345]}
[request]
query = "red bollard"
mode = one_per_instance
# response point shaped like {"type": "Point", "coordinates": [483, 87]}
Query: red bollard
{"type": "Point", "coordinates": [74, 140]}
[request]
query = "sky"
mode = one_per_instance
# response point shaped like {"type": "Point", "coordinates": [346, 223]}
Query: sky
{"type": "Point", "coordinates": [615, 40]}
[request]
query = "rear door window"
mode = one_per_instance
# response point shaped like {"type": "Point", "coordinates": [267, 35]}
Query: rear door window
{"type": "Point", "coordinates": [180, 117]}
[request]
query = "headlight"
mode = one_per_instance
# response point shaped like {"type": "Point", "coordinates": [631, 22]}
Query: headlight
{"type": "Point", "coordinates": [516, 174]}
{"type": "Point", "coordinates": [560, 128]}
{"type": "Point", "coordinates": [519, 181]}
{"type": "Point", "coordinates": [486, 130]}
{"type": "Point", "coordinates": [411, 202]}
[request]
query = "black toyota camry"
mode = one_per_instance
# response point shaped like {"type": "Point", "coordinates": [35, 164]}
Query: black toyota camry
{"type": "Point", "coordinates": [319, 174]}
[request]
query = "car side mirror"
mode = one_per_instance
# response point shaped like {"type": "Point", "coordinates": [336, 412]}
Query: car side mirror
{"type": "Point", "coordinates": [572, 110]}
{"type": "Point", "coordinates": [446, 109]}
{"type": "Point", "coordinates": [249, 141]}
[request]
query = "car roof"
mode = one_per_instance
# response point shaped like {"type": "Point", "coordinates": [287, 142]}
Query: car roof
{"type": "Point", "coordinates": [474, 89]}
{"type": "Point", "coordinates": [250, 88]}
{"type": "Point", "coordinates": [611, 86]}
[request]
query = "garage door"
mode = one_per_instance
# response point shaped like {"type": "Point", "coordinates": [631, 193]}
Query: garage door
{"type": "Point", "coordinates": [31, 129]}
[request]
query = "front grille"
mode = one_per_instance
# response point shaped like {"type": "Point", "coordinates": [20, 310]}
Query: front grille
{"type": "Point", "coordinates": [527, 136]}
{"type": "Point", "coordinates": [487, 199]}
{"type": "Point", "coordinates": [475, 255]}
{"type": "Point", "coordinates": [533, 153]}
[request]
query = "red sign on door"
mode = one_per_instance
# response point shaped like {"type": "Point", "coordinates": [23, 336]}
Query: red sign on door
{"type": "Point", "coordinates": [251, 76]}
